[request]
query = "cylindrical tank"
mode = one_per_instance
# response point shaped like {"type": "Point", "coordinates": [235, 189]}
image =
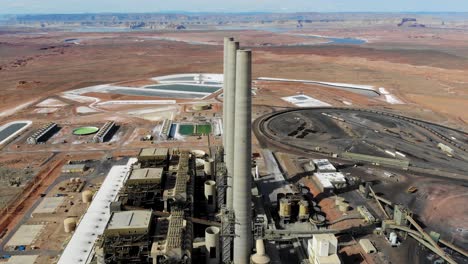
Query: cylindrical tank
{"type": "Point", "coordinates": [212, 245]}
{"type": "Point", "coordinates": [210, 195]}
{"type": "Point", "coordinates": [318, 219]}
{"type": "Point", "coordinates": [87, 196]}
{"type": "Point", "coordinates": [198, 153]}
{"type": "Point", "coordinates": [260, 257]}
{"type": "Point", "coordinates": [201, 107]}
{"type": "Point", "coordinates": [393, 238]}
{"type": "Point", "coordinates": [209, 167]}
{"type": "Point", "coordinates": [199, 163]}
{"type": "Point", "coordinates": [303, 209]}
{"type": "Point", "coordinates": [285, 208]}
{"type": "Point", "coordinates": [69, 224]}
{"type": "Point", "coordinates": [343, 207]}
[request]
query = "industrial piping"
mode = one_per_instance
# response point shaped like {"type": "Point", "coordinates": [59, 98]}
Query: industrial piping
{"type": "Point", "coordinates": [230, 128]}
{"type": "Point", "coordinates": [242, 159]}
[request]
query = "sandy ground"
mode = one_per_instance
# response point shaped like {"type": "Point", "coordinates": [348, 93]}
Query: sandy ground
{"type": "Point", "coordinates": [434, 78]}
{"type": "Point", "coordinates": [428, 74]}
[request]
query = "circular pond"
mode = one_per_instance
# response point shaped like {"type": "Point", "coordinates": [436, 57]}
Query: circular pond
{"type": "Point", "coordinates": [83, 131]}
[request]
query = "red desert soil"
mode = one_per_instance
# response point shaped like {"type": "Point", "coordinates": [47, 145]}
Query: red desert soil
{"type": "Point", "coordinates": [101, 58]}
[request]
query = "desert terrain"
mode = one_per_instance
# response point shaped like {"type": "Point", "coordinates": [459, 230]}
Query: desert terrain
{"type": "Point", "coordinates": [416, 71]}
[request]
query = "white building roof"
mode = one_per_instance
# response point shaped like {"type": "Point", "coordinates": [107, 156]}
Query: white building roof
{"type": "Point", "coordinates": [146, 175]}
{"type": "Point", "coordinates": [25, 235]}
{"type": "Point", "coordinates": [324, 165]}
{"type": "Point", "coordinates": [73, 167]}
{"type": "Point", "coordinates": [326, 184]}
{"type": "Point", "coordinates": [303, 100]}
{"type": "Point", "coordinates": [332, 177]}
{"type": "Point", "coordinates": [130, 219]}
{"type": "Point", "coordinates": [22, 259]}
{"type": "Point", "coordinates": [93, 223]}
{"type": "Point", "coordinates": [49, 205]}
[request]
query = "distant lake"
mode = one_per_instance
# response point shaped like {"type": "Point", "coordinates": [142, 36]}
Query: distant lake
{"type": "Point", "coordinates": [347, 41]}
{"type": "Point", "coordinates": [337, 41]}
{"type": "Point", "coordinates": [105, 29]}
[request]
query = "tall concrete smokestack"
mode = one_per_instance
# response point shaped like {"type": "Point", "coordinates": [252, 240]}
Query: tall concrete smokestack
{"type": "Point", "coordinates": [230, 117]}
{"type": "Point", "coordinates": [226, 43]}
{"type": "Point", "coordinates": [242, 159]}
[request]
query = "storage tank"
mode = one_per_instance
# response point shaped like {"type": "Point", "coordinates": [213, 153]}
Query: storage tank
{"type": "Point", "coordinates": [212, 245]}
{"type": "Point", "coordinates": [260, 257]}
{"type": "Point", "coordinates": [87, 196]}
{"type": "Point", "coordinates": [285, 208]}
{"type": "Point", "coordinates": [69, 224]}
{"type": "Point", "coordinates": [209, 167]}
{"type": "Point", "coordinates": [303, 209]}
{"type": "Point", "coordinates": [210, 195]}
{"type": "Point", "coordinates": [393, 239]}
{"type": "Point", "coordinates": [318, 219]}
{"type": "Point", "coordinates": [200, 163]}
{"type": "Point", "coordinates": [201, 107]}
{"type": "Point", "coordinates": [198, 153]}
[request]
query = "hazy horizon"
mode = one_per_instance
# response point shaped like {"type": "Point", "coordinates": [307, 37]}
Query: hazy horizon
{"type": "Point", "coordinates": [245, 12]}
{"type": "Point", "coordinates": [241, 6]}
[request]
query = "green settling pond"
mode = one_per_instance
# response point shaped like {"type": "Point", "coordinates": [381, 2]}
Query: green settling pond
{"type": "Point", "coordinates": [186, 130]}
{"type": "Point", "coordinates": [83, 131]}
{"type": "Point", "coordinates": [203, 129]}
{"type": "Point", "coordinates": [190, 130]}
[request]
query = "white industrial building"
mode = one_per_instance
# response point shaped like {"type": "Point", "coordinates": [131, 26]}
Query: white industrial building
{"type": "Point", "coordinates": [327, 181]}
{"type": "Point", "coordinates": [94, 221]}
{"type": "Point", "coordinates": [323, 249]}
{"type": "Point", "coordinates": [323, 165]}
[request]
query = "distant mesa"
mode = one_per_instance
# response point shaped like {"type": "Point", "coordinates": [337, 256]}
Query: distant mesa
{"type": "Point", "coordinates": [410, 22]}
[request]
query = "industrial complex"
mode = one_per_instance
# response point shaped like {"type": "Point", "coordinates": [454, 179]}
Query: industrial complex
{"type": "Point", "coordinates": [207, 177]}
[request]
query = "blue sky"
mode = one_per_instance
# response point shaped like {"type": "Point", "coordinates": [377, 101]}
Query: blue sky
{"type": "Point", "coordinates": [96, 6]}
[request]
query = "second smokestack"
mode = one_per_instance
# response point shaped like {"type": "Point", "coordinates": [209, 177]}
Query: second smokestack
{"type": "Point", "coordinates": [242, 159]}
{"type": "Point", "coordinates": [226, 44]}
{"type": "Point", "coordinates": [233, 46]}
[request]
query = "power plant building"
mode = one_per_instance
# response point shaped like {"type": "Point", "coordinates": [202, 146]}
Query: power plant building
{"type": "Point", "coordinates": [173, 239]}
{"type": "Point", "coordinates": [126, 238]}
{"type": "Point", "coordinates": [153, 214]}
{"type": "Point", "coordinates": [153, 156]}
{"type": "Point", "coordinates": [143, 187]}
{"type": "Point", "coordinates": [104, 132]}
{"type": "Point", "coordinates": [42, 134]}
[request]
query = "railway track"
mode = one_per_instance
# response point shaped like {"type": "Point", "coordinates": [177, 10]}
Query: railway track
{"type": "Point", "coordinates": [260, 130]}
